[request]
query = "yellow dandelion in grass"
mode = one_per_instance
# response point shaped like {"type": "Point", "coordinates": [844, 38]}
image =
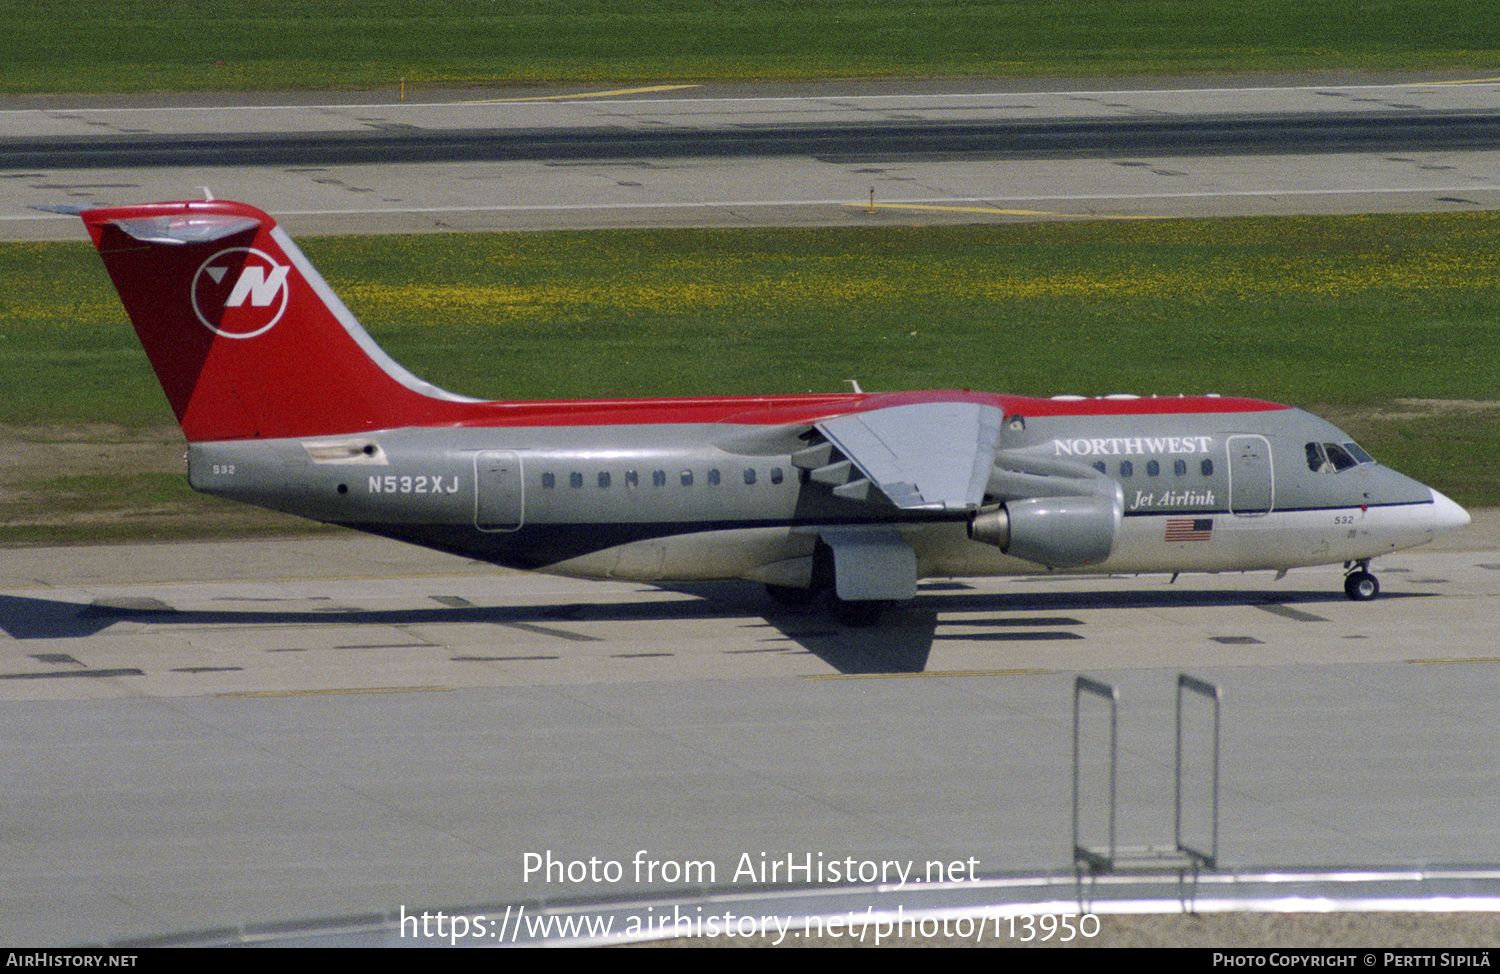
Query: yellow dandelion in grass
{"type": "Point", "coordinates": [20, 311]}
{"type": "Point", "coordinates": [725, 276]}
{"type": "Point", "coordinates": [432, 303]}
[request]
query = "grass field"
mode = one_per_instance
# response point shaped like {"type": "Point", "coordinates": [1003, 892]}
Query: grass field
{"type": "Point", "coordinates": [176, 45]}
{"type": "Point", "coordinates": [1343, 315]}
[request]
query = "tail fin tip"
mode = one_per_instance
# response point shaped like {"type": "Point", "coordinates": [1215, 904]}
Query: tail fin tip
{"type": "Point", "coordinates": [245, 336]}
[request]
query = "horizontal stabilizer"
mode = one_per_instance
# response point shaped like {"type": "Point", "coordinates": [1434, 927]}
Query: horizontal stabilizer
{"type": "Point", "coordinates": [66, 209]}
{"type": "Point", "coordinates": [186, 228]}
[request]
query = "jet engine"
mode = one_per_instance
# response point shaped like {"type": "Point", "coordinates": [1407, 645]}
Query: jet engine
{"type": "Point", "coordinates": [1059, 532]}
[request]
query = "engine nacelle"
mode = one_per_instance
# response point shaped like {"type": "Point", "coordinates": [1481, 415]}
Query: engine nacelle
{"type": "Point", "coordinates": [1059, 532]}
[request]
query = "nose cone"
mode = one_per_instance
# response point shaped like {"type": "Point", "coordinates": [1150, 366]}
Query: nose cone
{"type": "Point", "coordinates": [1446, 515]}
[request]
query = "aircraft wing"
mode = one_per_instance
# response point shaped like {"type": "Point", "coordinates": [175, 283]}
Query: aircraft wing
{"type": "Point", "coordinates": [946, 457]}
{"type": "Point", "coordinates": [933, 456]}
{"type": "Point", "coordinates": [927, 456]}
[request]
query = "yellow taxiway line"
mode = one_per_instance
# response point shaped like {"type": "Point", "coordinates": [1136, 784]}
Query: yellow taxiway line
{"type": "Point", "coordinates": [584, 94]}
{"type": "Point", "coordinates": [1465, 81]}
{"type": "Point", "coordinates": [995, 211]}
{"type": "Point", "coordinates": [955, 209]}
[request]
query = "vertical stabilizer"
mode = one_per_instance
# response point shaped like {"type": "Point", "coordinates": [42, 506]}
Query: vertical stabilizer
{"type": "Point", "coordinates": [245, 336]}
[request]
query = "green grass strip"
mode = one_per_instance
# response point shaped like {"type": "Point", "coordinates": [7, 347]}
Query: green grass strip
{"type": "Point", "coordinates": [186, 45]}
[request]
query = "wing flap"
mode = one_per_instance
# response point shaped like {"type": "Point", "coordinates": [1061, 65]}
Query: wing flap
{"type": "Point", "coordinates": [933, 456]}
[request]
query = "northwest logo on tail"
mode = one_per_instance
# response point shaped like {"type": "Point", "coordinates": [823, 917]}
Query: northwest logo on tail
{"type": "Point", "coordinates": [240, 292]}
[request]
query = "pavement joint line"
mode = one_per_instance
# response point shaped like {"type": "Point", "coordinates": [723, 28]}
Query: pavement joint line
{"type": "Point", "coordinates": [331, 691]}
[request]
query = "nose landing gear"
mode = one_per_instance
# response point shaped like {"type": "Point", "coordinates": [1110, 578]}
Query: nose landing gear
{"type": "Point", "coordinates": [1359, 584]}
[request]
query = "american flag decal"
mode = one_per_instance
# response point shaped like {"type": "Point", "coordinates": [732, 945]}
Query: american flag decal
{"type": "Point", "coordinates": [1189, 528]}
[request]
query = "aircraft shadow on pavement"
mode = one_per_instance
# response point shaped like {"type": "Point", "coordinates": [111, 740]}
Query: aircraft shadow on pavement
{"type": "Point", "coordinates": [900, 643]}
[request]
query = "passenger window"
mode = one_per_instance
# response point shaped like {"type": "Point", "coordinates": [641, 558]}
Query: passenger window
{"type": "Point", "coordinates": [1152, 468]}
{"type": "Point", "coordinates": [575, 479]}
{"type": "Point", "coordinates": [603, 479]}
{"type": "Point", "coordinates": [549, 481]}
{"type": "Point", "coordinates": [1207, 466]}
{"type": "Point", "coordinates": [687, 478]}
{"type": "Point", "coordinates": [749, 476]}
{"type": "Point", "coordinates": [713, 478]}
{"type": "Point", "coordinates": [632, 479]}
{"type": "Point", "coordinates": [659, 478]}
{"type": "Point", "coordinates": [775, 475]}
{"type": "Point", "coordinates": [1179, 467]}
{"type": "Point", "coordinates": [1127, 469]}
{"type": "Point", "coordinates": [1099, 466]}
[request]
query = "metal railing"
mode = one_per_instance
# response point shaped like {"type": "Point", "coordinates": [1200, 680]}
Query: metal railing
{"type": "Point", "coordinates": [1185, 852]}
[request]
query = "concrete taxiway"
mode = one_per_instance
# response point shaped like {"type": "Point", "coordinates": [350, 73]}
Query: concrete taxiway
{"type": "Point", "coordinates": [319, 726]}
{"type": "Point", "coordinates": [834, 185]}
{"type": "Point", "coordinates": [350, 613]}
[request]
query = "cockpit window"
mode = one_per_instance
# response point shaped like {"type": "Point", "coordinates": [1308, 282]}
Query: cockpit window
{"type": "Point", "coordinates": [1333, 457]}
{"type": "Point", "coordinates": [1339, 457]}
{"type": "Point", "coordinates": [1317, 460]}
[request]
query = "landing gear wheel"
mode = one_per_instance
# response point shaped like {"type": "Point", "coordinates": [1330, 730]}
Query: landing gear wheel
{"type": "Point", "coordinates": [1361, 586]}
{"type": "Point", "coordinates": [791, 595]}
{"type": "Point", "coordinates": [857, 614]}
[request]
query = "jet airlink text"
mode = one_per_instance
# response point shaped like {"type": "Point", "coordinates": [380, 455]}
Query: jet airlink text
{"type": "Point", "coordinates": [1114, 446]}
{"type": "Point", "coordinates": [1172, 498]}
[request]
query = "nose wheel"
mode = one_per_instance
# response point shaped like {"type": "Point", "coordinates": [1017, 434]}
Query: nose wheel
{"type": "Point", "coordinates": [1359, 584]}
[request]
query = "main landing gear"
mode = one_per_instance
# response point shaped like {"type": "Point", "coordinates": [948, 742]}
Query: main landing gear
{"type": "Point", "coordinates": [1359, 584]}
{"type": "Point", "coordinates": [790, 595]}
{"type": "Point", "coordinates": [854, 614]}
{"type": "Point", "coordinates": [851, 613]}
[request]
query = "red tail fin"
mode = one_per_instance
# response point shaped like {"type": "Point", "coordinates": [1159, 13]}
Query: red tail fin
{"type": "Point", "coordinates": [245, 336]}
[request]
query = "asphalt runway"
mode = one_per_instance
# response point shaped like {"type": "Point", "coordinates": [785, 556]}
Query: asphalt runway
{"type": "Point", "coordinates": [218, 734]}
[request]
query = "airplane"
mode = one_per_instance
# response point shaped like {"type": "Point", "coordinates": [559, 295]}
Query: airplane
{"type": "Point", "coordinates": [288, 403]}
